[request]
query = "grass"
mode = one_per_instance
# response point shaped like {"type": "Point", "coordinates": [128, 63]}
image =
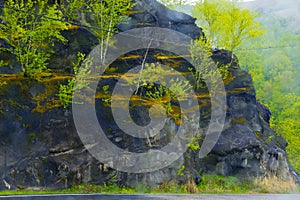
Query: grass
{"type": "Point", "coordinates": [210, 184]}
{"type": "Point", "coordinates": [214, 184]}
{"type": "Point", "coordinates": [273, 184]}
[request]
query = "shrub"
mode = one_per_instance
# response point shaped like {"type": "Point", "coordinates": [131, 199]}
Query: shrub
{"type": "Point", "coordinates": [29, 29]}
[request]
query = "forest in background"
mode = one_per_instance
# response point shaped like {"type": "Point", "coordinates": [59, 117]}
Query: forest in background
{"type": "Point", "coordinates": [274, 63]}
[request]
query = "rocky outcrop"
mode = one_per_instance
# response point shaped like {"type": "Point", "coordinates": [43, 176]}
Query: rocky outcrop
{"type": "Point", "coordinates": [149, 13]}
{"type": "Point", "coordinates": [40, 147]}
{"type": "Point", "coordinates": [247, 145]}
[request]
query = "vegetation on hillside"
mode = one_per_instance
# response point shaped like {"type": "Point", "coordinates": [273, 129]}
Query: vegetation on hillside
{"type": "Point", "coordinates": [273, 60]}
{"type": "Point", "coordinates": [274, 64]}
{"type": "Point", "coordinates": [226, 24]}
{"type": "Point", "coordinates": [31, 29]}
{"type": "Point", "coordinates": [31, 33]}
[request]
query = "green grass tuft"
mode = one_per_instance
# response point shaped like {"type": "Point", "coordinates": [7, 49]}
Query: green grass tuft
{"type": "Point", "coordinates": [210, 184]}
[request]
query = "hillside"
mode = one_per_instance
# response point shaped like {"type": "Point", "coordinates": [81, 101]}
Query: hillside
{"type": "Point", "coordinates": [42, 146]}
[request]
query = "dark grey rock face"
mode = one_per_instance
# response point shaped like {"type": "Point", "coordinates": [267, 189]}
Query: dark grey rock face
{"type": "Point", "coordinates": [150, 13]}
{"type": "Point", "coordinates": [40, 147]}
{"type": "Point", "coordinates": [11, 66]}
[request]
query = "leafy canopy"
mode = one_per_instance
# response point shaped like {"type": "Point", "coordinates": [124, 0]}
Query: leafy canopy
{"type": "Point", "coordinates": [101, 17]}
{"type": "Point", "coordinates": [226, 24]}
{"type": "Point", "coordinates": [275, 72]}
{"type": "Point", "coordinates": [29, 30]}
{"type": "Point", "coordinates": [105, 16]}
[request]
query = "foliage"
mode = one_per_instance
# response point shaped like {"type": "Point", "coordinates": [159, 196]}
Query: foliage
{"type": "Point", "coordinates": [106, 94]}
{"type": "Point", "coordinates": [275, 73]}
{"type": "Point", "coordinates": [273, 184]}
{"type": "Point", "coordinates": [195, 145]}
{"type": "Point", "coordinates": [226, 25]}
{"type": "Point", "coordinates": [3, 83]}
{"type": "Point", "coordinates": [220, 184]}
{"type": "Point", "coordinates": [66, 91]}
{"type": "Point", "coordinates": [180, 171]}
{"type": "Point", "coordinates": [73, 10]}
{"type": "Point", "coordinates": [29, 30]}
{"type": "Point", "coordinates": [104, 14]}
{"type": "Point", "coordinates": [210, 184]}
{"type": "Point", "coordinates": [107, 14]}
{"type": "Point", "coordinates": [160, 94]}
{"type": "Point", "coordinates": [205, 68]}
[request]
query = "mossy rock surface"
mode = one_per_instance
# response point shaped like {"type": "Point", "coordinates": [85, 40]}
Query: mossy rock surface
{"type": "Point", "coordinates": [40, 146]}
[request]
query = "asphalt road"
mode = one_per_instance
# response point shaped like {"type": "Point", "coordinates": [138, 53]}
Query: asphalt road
{"type": "Point", "coordinates": [156, 197]}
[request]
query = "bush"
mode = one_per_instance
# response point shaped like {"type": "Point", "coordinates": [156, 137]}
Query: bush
{"type": "Point", "coordinates": [29, 29]}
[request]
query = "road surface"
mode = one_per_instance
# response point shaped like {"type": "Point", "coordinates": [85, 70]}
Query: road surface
{"type": "Point", "coordinates": [154, 197]}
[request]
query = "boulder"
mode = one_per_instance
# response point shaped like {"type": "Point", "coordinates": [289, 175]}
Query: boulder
{"type": "Point", "coordinates": [40, 146]}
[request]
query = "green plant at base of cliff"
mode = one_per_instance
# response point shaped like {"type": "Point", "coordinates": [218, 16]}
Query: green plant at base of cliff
{"type": "Point", "coordinates": [30, 31]}
{"type": "Point", "coordinates": [220, 184]}
{"type": "Point", "coordinates": [272, 184]}
{"type": "Point", "coordinates": [210, 184]}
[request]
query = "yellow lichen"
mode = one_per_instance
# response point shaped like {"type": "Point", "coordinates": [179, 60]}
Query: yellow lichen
{"type": "Point", "coordinates": [126, 57]}
{"type": "Point", "coordinates": [239, 120]}
{"type": "Point", "coordinates": [165, 57]}
{"type": "Point", "coordinates": [236, 90]}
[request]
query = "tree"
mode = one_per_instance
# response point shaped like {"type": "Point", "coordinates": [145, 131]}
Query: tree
{"type": "Point", "coordinates": [30, 31]}
{"type": "Point", "coordinates": [226, 25]}
{"type": "Point", "coordinates": [274, 65]}
{"type": "Point", "coordinates": [104, 14]}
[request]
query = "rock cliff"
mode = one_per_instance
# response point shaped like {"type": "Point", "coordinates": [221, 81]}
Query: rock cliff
{"type": "Point", "coordinates": [40, 147]}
